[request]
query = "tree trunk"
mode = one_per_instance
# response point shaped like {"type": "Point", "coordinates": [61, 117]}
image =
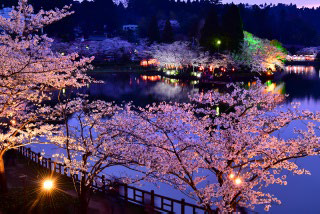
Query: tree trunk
{"type": "Point", "coordinates": [83, 202]}
{"type": "Point", "coordinates": [83, 198]}
{"type": "Point", "coordinates": [3, 180]}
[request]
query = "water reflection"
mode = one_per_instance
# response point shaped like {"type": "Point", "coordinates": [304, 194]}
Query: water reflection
{"type": "Point", "coordinates": [301, 69]}
{"type": "Point", "coordinates": [145, 89]}
{"type": "Point", "coordinates": [151, 78]}
{"type": "Point", "coordinates": [141, 89]}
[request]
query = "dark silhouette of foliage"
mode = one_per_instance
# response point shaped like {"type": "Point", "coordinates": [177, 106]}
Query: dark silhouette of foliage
{"type": "Point", "coordinates": [167, 35]}
{"type": "Point", "coordinates": [290, 25]}
{"type": "Point", "coordinates": [211, 32]}
{"type": "Point", "coordinates": [232, 28]}
{"type": "Point", "coordinates": [153, 30]}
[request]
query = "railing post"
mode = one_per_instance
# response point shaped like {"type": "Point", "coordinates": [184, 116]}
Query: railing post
{"type": "Point", "coordinates": [39, 157]}
{"type": "Point", "coordinates": [65, 170]}
{"type": "Point", "coordinates": [29, 153]}
{"type": "Point", "coordinates": [103, 183]}
{"type": "Point", "coordinates": [125, 192]}
{"type": "Point", "coordinates": [152, 199]}
{"type": "Point", "coordinates": [49, 164]}
{"type": "Point", "coordinates": [183, 206]}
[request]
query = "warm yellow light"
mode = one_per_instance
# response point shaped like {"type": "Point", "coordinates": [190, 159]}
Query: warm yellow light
{"type": "Point", "coordinates": [271, 87]}
{"type": "Point", "coordinates": [238, 181]}
{"type": "Point", "coordinates": [231, 176]}
{"type": "Point", "coordinates": [219, 42]}
{"type": "Point", "coordinates": [13, 122]}
{"type": "Point", "coordinates": [48, 185]}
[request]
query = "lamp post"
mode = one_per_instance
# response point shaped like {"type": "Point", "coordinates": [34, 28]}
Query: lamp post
{"type": "Point", "coordinates": [218, 44]}
{"type": "Point", "coordinates": [48, 185]}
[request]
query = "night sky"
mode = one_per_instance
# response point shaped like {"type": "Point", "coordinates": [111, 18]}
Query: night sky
{"type": "Point", "coordinates": [300, 3]}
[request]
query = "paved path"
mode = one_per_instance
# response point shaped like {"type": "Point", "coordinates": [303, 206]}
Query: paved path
{"type": "Point", "coordinates": [21, 173]}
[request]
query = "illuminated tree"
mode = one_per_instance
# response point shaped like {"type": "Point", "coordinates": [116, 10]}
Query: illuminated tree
{"type": "Point", "coordinates": [89, 139]}
{"type": "Point", "coordinates": [173, 55]}
{"type": "Point", "coordinates": [181, 55]}
{"type": "Point", "coordinates": [259, 55]}
{"type": "Point", "coordinates": [224, 159]}
{"type": "Point", "coordinates": [114, 47]}
{"type": "Point", "coordinates": [29, 71]}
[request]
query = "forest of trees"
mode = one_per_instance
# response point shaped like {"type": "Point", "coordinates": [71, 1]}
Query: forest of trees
{"type": "Point", "coordinates": [290, 25]}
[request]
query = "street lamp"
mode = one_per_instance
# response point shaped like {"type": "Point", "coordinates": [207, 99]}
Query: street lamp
{"type": "Point", "coordinates": [218, 44]}
{"type": "Point", "coordinates": [13, 122]}
{"type": "Point", "coordinates": [238, 181]}
{"type": "Point", "coordinates": [231, 176]}
{"type": "Point", "coordinates": [48, 185]}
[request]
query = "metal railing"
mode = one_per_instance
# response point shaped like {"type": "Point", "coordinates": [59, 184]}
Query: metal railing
{"type": "Point", "coordinates": [128, 193]}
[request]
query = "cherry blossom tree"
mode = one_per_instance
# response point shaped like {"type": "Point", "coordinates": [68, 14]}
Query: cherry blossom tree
{"type": "Point", "coordinates": [224, 149]}
{"type": "Point", "coordinates": [29, 71]}
{"type": "Point", "coordinates": [116, 48]}
{"type": "Point", "coordinates": [142, 50]}
{"type": "Point", "coordinates": [175, 55]}
{"type": "Point", "coordinates": [181, 54]}
{"type": "Point", "coordinates": [259, 55]}
{"type": "Point", "coordinates": [89, 136]}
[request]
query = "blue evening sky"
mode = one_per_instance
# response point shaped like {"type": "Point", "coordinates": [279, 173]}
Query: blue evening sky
{"type": "Point", "coordinates": [300, 3]}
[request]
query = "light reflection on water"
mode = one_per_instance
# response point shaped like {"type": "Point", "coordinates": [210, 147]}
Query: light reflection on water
{"type": "Point", "coordinates": [300, 69]}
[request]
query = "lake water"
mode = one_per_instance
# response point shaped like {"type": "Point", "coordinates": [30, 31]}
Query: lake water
{"type": "Point", "coordinates": [302, 83]}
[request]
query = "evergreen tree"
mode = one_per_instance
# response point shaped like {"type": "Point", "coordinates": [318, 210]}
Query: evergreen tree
{"type": "Point", "coordinates": [153, 30]}
{"type": "Point", "coordinates": [167, 35]}
{"type": "Point", "coordinates": [232, 28]}
{"type": "Point", "coordinates": [210, 33]}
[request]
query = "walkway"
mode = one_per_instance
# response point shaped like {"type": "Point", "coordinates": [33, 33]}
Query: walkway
{"type": "Point", "coordinates": [23, 173]}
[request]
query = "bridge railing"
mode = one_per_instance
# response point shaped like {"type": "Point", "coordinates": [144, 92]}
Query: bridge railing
{"type": "Point", "coordinates": [128, 193]}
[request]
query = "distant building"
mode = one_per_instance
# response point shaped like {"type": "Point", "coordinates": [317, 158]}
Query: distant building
{"type": "Point", "coordinates": [301, 58]}
{"type": "Point", "coordinates": [130, 27]}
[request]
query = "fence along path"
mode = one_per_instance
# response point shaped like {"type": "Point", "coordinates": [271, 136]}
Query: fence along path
{"type": "Point", "coordinates": [128, 193]}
